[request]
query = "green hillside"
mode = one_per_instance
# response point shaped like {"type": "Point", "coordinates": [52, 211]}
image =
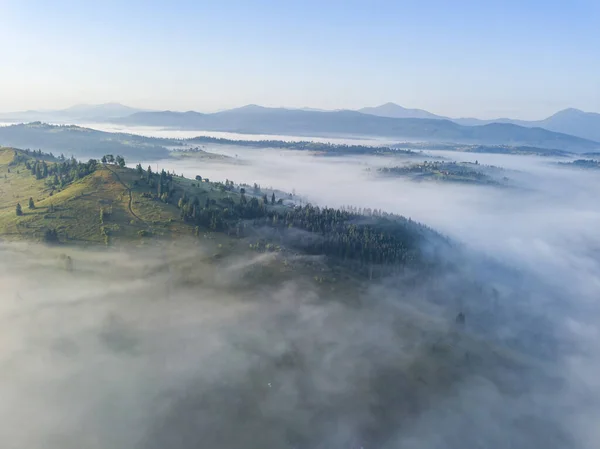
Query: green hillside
{"type": "Point", "coordinates": [70, 202]}
{"type": "Point", "coordinates": [74, 210]}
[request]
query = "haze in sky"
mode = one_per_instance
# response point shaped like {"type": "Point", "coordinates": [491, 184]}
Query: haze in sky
{"type": "Point", "coordinates": [520, 58]}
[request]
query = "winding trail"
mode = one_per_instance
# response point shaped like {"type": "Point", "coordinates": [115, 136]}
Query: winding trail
{"type": "Point", "coordinates": [129, 192]}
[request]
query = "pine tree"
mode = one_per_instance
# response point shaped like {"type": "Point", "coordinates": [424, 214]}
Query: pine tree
{"type": "Point", "coordinates": [31, 203]}
{"type": "Point", "coordinates": [273, 198]}
{"type": "Point", "coordinates": [19, 210]}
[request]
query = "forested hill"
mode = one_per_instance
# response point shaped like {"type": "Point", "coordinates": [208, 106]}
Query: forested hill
{"type": "Point", "coordinates": [82, 142]}
{"type": "Point", "coordinates": [365, 239]}
{"type": "Point", "coordinates": [66, 197]}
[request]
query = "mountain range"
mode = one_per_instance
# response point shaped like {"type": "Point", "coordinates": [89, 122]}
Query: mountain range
{"type": "Point", "coordinates": [255, 119]}
{"type": "Point", "coordinates": [568, 121]}
{"type": "Point", "coordinates": [77, 113]}
{"type": "Point", "coordinates": [570, 129]}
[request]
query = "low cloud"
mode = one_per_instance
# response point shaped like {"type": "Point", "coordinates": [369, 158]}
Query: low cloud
{"type": "Point", "coordinates": [161, 347]}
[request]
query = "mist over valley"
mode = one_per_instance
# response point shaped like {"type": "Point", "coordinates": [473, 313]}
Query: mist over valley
{"type": "Point", "coordinates": [205, 331]}
{"type": "Point", "coordinates": [299, 225]}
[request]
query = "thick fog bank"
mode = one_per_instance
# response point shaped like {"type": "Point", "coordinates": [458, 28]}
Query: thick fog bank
{"type": "Point", "coordinates": [544, 229]}
{"type": "Point", "coordinates": [155, 348]}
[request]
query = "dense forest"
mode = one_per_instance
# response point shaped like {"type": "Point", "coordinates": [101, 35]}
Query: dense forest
{"type": "Point", "coordinates": [582, 163]}
{"type": "Point", "coordinates": [319, 147]}
{"type": "Point", "coordinates": [364, 237]}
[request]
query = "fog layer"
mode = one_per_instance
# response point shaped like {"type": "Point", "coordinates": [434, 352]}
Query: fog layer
{"type": "Point", "coordinates": [159, 348]}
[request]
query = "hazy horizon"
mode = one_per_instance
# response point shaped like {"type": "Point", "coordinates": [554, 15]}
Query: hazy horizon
{"type": "Point", "coordinates": [210, 111]}
{"type": "Point", "coordinates": [524, 60]}
{"type": "Point", "coordinates": [150, 347]}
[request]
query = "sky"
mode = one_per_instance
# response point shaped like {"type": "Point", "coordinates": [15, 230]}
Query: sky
{"type": "Point", "coordinates": [523, 59]}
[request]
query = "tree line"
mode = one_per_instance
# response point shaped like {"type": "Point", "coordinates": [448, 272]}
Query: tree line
{"type": "Point", "coordinates": [365, 237]}
{"type": "Point", "coordinates": [324, 147]}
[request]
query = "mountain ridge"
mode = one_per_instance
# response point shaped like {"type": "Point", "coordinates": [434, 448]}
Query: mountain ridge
{"type": "Point", "coordinates": [301, 122]}
{"type": "Point", "coordinates": [77, 112]}
{"type": "Point", "coordinates": [571, 121]}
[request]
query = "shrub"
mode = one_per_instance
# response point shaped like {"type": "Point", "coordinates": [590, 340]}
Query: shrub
{"type": "Point", "coordinates": [51, 236]}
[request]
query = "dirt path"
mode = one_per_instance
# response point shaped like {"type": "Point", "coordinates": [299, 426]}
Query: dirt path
{"type": "Point", "coordinates": [129, 192]}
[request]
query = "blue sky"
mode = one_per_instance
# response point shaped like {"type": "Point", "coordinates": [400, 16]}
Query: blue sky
{"type": "Point", "coordinates": [524, 59]}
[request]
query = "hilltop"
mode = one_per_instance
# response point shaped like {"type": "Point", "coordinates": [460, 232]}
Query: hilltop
{"type": "Point", "coordinates": [83, 142]}
{"type": "Point", "coordinates": [103, 202]}
{"type": "Point", "coordinates": [73, 207]}
{"type": "Point", "coordinates": [455, 172]}
{"type": "Point", "coordinates": [394, 110]}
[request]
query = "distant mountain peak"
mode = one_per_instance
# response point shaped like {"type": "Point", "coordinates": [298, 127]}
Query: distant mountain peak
{"type": "Point", "coordinates": [390, 104]}
{"type": "Point", "coordinates": [570, 111]}
{"type": "Point", "coordinates": [394, 110]}
{"type": "Point", "coordinates": [250, 108]}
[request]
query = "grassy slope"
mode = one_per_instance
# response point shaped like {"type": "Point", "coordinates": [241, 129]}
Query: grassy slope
{"type": "Point", "coordinates": [77, 206]}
